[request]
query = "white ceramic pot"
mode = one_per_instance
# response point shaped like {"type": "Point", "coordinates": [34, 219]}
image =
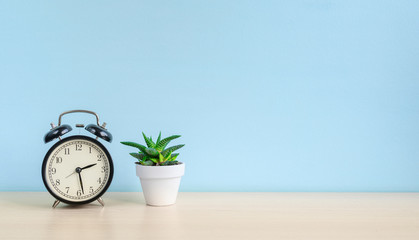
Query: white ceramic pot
{"type": "Point", "coordinates": [160, 183]}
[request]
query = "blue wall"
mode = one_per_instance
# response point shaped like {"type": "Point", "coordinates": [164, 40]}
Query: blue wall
{"type": "Point", "coordinates": [268, 95]}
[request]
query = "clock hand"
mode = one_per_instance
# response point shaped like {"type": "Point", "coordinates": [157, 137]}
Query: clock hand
{"type": "Point", "coordinates": [88, 166]}
{"type": "Point", "coordinates": [81, 183]}
{"type": "Point", "coordinates": [71, 174]}
{"type": "Point", "coordinates": [75, 171]}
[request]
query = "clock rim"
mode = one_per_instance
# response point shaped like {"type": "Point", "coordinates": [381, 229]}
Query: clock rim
{"type": "Point", "coordinates": [81, 137]}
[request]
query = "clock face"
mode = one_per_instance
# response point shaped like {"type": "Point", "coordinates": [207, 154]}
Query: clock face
{"type": "Point", "coordinates": [77, 169]}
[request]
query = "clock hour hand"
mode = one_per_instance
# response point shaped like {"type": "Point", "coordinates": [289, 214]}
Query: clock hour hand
{"type": "Point", "coordinates": [81, 183]}
{"type": "Point", "coordinates": [88, 166]}
{"type": "Point", "coordinates": [79, 169]}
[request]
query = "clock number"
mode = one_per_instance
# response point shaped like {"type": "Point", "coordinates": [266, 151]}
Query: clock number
{"type": "Point", "coordinates": [78, 147]}
{"type": "Point", "coordinates": [57, 182]}
{"type": "Point", "coordinates": [67, 188]}
{"type": "Point", "coordinates": [53, 170]}
{"type": "Point", "coordinates": [99, 158]}
{"type": "Point", "coordinates": [58, 160]}
{"type": "Point", "coordinates": [99, 180]}
{"type": "Point", "coordinates": [103, 169]}
{"type": "Point", "coordinates": [66, 151]}
{"type": "Point", "coordinates": [78, 193]}
{"type": "Point", "coordinates": [90, 149]}
{"type": "Point", "coordinates": [91, 189]}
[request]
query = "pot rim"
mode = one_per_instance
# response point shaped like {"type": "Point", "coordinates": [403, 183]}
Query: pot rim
{"type": "Point", "coordinates": [154, 172]}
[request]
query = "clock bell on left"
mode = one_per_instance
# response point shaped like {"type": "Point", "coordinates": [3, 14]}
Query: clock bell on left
{"type": "Point", "coordinates": [77, 169]}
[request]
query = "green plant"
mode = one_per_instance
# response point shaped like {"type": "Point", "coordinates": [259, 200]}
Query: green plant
{"type": "Point", "coordinates": [156, 153]}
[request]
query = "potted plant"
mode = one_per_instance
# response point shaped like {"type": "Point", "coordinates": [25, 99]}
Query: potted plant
{"type": "Point", "coordinates": [158, 169]}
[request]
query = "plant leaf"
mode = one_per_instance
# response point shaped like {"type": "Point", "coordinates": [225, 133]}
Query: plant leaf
{"type": "Point", "coordinates": [136, 145]}
{"type": "Point", "coordinates": [168, 163]}
{"type": "Point", "coordinates": [174, 156]}
{"type": "Point", "coordinates": [158, 139]}
{"type": "Point", "coordinates": [166, 155]}
{"type": "Point", "coordinates": [171, 163]}
{"type": "Point", "coordinates": [152, 152]}
{"type": "Point", "coordinates": [149, 141]}
{"type": "Point", "coordinates": [148, 163]}
{"type": "Point", "coordinates": [172, 149]}
{"type": "Point", "coordinates": [154, 160]}
{"type": "Point", "coordinates": [138, 156]}
{"type": "Point", "coordinates": [163, 143]}
{"type": "Point", "coordinates": [161, 158]}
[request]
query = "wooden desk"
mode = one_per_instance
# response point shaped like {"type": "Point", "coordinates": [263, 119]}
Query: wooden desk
{"type": "Point", "coordinates": [197, 216]}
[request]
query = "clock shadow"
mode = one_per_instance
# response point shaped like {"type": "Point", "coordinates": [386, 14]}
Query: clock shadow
{"type": "Point", "coordinates": [43, 200]}
{"type": "Point", "coordinates": [92, 205]}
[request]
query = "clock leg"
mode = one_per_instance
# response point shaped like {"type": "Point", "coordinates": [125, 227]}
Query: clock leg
{"type": "Point", "coordinates": [55, 203]}
{"type": "Point", "coordinates": [100, 200]}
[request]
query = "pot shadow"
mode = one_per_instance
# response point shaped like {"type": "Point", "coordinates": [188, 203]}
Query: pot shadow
{"type": "Point", "coordinates": [117, 198]}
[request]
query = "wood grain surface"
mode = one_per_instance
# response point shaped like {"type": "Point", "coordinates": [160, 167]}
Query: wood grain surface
{"type": "Point", "coordinates": [28, 215]}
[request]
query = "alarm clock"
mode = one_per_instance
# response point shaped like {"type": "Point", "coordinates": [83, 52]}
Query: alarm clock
{"type": "Point", "coordinates": [77, 169]}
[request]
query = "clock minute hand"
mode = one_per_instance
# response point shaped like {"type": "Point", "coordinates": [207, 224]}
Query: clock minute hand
{"type": "Point", "coordinates": [81, 183]}
{"type": "Point", "coordinates": [88, 166]}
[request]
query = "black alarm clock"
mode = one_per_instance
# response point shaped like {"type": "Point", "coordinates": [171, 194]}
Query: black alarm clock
{"type": "Point", "coordinates": [77, 169]}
